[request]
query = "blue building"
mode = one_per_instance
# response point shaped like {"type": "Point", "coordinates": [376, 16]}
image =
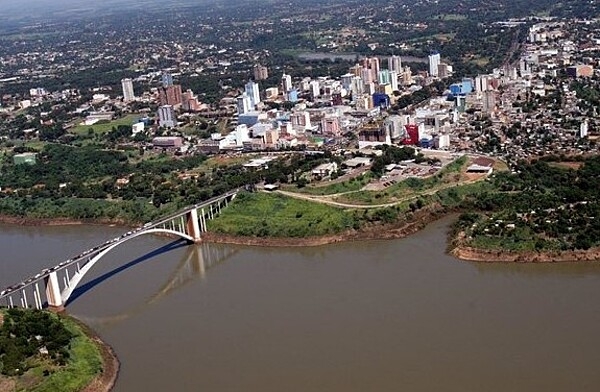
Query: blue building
{"type": "Point", "coordinates": [381, 100]}
{"type": "Point", "coordinates": [293, 95]}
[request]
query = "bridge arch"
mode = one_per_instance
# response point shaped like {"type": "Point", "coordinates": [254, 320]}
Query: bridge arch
{"type": "Point", "coordinates": [77, 277]}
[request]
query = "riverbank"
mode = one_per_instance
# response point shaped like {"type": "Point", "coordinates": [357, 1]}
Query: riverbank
{"type": "Point", "coordinates": [468, 253]}
{"type": "Point", "coordinates": [396, 230]}
{"type": "Point", "coordinates": [92, 365]}
{"type": "Point", "coordinates": [28, 221]}
{"type": "Point", "coordinates": [105, 381]}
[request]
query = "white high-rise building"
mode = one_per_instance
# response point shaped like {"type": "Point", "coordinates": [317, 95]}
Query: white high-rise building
{"type": "Point", "coordinates": [286, 83]}
{"type": "Point", "coordinates": [252, 90]}
{"type": "Point", "coordinates": [128, 94]}
{"type": "Point", "coordinates": [357, 86]}
{"type": "Point", "coordinates": [166, 116]}
{"type": "Point", "coordinates": [394, 80]}
{"type": "Point", "coordinates": [481, 84]}
{"type": "Point", "coordinates": [395, 64]}
{"type": "Point", "coordinates": [583, 129]}
{"type": "Point", "coordinates": [315, 89]}
{"type": "Point", "coordinates": [434, 62]}
{"type": "Point", "coordinates": [244, 104]}
{"type": "Point", "coordinates": [241, 134]}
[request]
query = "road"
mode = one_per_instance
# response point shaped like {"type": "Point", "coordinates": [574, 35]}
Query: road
{"type": "Point", "coordinates": [326, 199]}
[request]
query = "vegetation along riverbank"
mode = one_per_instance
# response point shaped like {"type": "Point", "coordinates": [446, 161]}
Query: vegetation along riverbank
{"type": "Point", "coordinates": [42, 351]}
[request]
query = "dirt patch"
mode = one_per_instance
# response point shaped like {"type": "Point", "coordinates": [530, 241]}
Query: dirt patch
{"type": "Point", "coordinates": [7, 384]}
{"type": "Point", "coordinates": [567, 165]}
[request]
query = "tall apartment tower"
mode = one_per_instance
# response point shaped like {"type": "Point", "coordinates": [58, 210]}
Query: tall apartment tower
{"type": "Point", "coordinates": [166, 116]}
{"type": "Point", "coordinates": [260, 72]}
{"type": "Point", "coordinates": [251, 89]}
{"type": "Point", "coordinates": [286, 83]}
{"type": "Point", "coordinates": [171, 95]}
{"type": "Point", "coordinates": [128, 94]}
{"type": "Point", "coordinates": [167, 79]}
{"type": "Point", "coordinates": [395, 64]}
{"type": "Point", "coordinates": [434, 63]}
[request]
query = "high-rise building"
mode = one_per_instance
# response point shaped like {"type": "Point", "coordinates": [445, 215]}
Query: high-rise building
{"type": "Point", "coordinates": [394, 80]}
{"type": "Point", "coordinates": [252, 90]}
{"type": "Point", "coordinates": [395, 64]}
{"type": "Point", "coordinates": [481, 83]}
{"type": "Point", "coordinates": [167, 79]}
{"type": "Point", "coordinates": [286, 83]}
{"type": "Point", "coordinates": [260, 72]}
{"type": "Point", "coordinates": [315, 89]}
{"type": "Point", "coordinates": [128, 94]}
{"type": "Point", "coordinates": [170, 95]}
{"type": "Point", "coordinates": [166, 116]}
{"type": "Point", "coordinates": [383, 77]}
{"type": "Point", "coordinates": [434, 62]}
{"type": "Point", "coordinates": [244, 104]}
{"type": "Point", "coordinates": [489, 101]}
{"type": "Point", "coordinates": [190, 101]}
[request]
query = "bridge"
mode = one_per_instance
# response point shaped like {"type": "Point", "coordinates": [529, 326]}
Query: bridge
{"type": "Point", "coordinates": [53, 287]}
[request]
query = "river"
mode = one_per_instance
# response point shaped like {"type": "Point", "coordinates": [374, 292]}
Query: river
{"type": "Point", "coordinates": [364, 316]}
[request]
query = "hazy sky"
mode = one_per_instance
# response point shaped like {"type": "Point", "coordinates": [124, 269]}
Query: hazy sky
{"type": "Point", "coordinates": [43, 8]}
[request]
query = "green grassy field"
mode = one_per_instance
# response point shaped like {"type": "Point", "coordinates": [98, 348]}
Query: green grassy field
{"type": "Point", "coordinates": [351, 185]}
{"type": "Point", "coordinates": [409, 187]}
{"type": "Point", "coordinates": [274, 215]}
{"type": "Point", "coordinates": [130, 119]}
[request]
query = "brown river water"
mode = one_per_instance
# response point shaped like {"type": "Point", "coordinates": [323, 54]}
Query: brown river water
{"type": "Point", "coordinates": [396, 315]}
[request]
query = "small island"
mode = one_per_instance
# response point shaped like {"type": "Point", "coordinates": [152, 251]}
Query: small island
{"type": "Point", "coordinates": [43, 351]}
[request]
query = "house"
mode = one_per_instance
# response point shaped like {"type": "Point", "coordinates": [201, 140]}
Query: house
{"type": "Point", "coordinates": [324, 170]}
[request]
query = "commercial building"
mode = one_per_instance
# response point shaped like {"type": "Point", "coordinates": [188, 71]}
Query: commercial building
{"type": "Point", "coordinates": [167, 142]}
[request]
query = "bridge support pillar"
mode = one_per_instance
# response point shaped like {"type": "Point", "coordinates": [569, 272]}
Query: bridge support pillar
{"type": "Point", "coordinates": [55, 303]}
{"type": "Point", "coordinates": [192, 227]}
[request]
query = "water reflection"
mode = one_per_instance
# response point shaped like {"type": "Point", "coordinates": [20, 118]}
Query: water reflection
{"type": "Point", "coordinates": [194, 264]}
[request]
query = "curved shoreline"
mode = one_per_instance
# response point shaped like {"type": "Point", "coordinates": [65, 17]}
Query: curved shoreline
{"type": "Point", "coordinates": [469, 253]}
{"type": "Point", "coordinates": [105, 380]}
{"type": "Point", "coordinates": [396, 230]}
{"type": "Point", "coordinates": [391, 231]}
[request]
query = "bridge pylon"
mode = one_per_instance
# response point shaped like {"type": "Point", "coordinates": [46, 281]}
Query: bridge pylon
{"type": "Point", "coordinates": [53, 294]}
{"type": "Point", "coordinates": [192, 226]}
